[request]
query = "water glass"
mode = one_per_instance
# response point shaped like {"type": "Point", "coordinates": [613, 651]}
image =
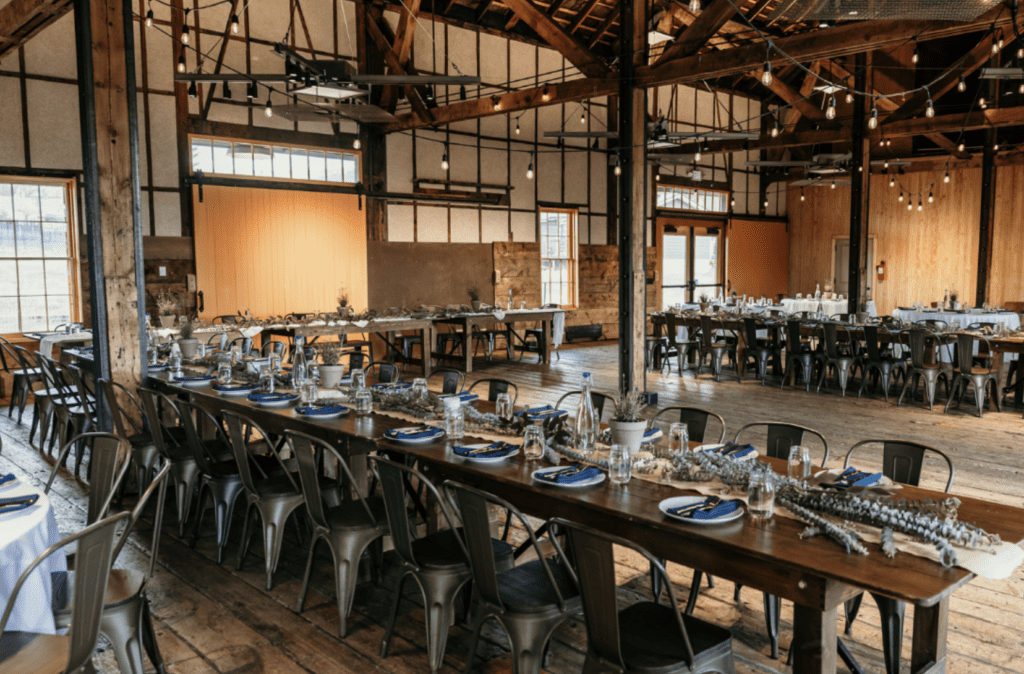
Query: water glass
{"type": "Point", "coordinates": [266, 384]}
{"type": "Point", "coordinates": [503, 406]}
{"type": "Point", "coordinates": [154, 355]}
{"type": "Point", "coordinates": [176, 363]}
{"type": "Point", "coordinates": [761, 494]}
{"type": "Point", "coordinates": [313, 373]}
{"type": "Point", "coordinates": [358, 379]}
{"type": "Point", "coordinates": [533, 442]}
{"type": "Point", "coordinates": [308, 393]}
{"type": "Point", "coordinates": [364, 401]}
{"type": "Point", "coordinates": [799, 462]}
{"type": "Point", "coordinates": [223, 373]}
{"type": "Point", "coordinates": [619, 464]}
{"type": "Point", "coordinates": [275, 362]}
{"type": "Point", "coordinates": [419, 388]}
{"type": "Point", "coordinates": [678, 439]}
{"type": "Point", "coordinates": [454, 421]}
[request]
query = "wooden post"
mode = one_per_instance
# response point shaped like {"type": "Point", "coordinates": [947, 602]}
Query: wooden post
{"type": "Point", "coordinates": [375, 157]}
{"type": "Point", "coordinates": [111, 175]}
{"type": "Point", "coordinates": [632, 220]}
{"type": "Point", "coordinates": [181, 119]}
{"type": "Point", "coordinates": [988, 184]}
{"type": "Point", "coordinates": [860, 192]}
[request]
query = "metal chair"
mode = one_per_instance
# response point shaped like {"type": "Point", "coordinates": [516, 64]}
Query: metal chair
{"type": "Point", "coordinates": [529, 600]}
{"type": "Point", "coordinates": [452, 381]}
{"type": "Point", "coordinates": [646, 636]}
{"type": "Point", "coordinates": [967, 374]}
{"type": "Point", "coordinates": [902, 461]}
{"type": "Point", "coordinates": [245, 345]}
{"type": "Point", "coordinates": [24, 375]}
{"type": "Point", "coordinates": [781, 436]}
{"type": "Point", "coordinates": [887, 367]}
{"type": "Point", "coordinates": [717, 350]}
{"type": "Point", "coordinates": [172, 444]}
{"type": "Point", "coordinates": [496, 386]}
{"type": "Point", "coordinates": [683, 348]}
{"type": "Point", "coordinates": [488, 336]}
{"type": "Point", "coordinates": [696, 420]}
{"type": "Point", "coordinates": [145, 455]}
{"type": "Point", "coordinates": [274, 499]}
{"type": "Point", "coordinates": [843, 364]}
{"type": "Point", "coordinates": [29, 373]}
{"type": "Point", "coordinates": [919, 370]}
{"type": "Point", "coordinates": [439, 562]}
{"type": "Point", "coordinates": [218, 340]}
{"type": "Point", "coordinates": [357, 360]}
{"type": "Point", "coordinates": [757, 351]}
{"type": "Point", "coordinates": [799, 356]}
{"type": "Point", "coordinates": [70, 416]}
{"type": "Point", "coordinates": [348, 528]}
{"type": "Point", "coordinates": [22, 653]}
{"type": "Point", "coordinates": [386, 373]}
{"type": "Point", "coordinates": [276, 348]}
{"type": "Point", "coordinates": [126, 621]}
{"type": "Point", "coordinates": [110, 463]}
{"type": "Point", "coordinates": [539, 337]}
{"type": "Point", "coordinates": [598, 399]}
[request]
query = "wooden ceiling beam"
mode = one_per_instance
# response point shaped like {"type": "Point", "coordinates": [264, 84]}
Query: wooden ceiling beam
{"type": "Point", "coordinates": [568, 46]}
{"type": "Point", "coordinates": [376, 33]}
{"type": "Point", "coordinates": [612, 17]}
{"type": "Point", "coordinates": [696, 35]}
{"type": "Point", "coordinates": [582, 16]}
{"type": "Point", "coordinates": [798, 100]}
{"type": "Point", "coordinates": [20, 20]}
{"type": "Point", "coordinates": [403, 47]}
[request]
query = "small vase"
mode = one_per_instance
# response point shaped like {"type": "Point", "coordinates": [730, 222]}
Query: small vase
{"type": "Point", "coordinates": [629, 433]}
{"type": "Point", "coordinates": [704, 306]}
{"type": "Point", "coordinates": [167, 321]}
{"type": "Point", "coordinates": [330, 375]}
{"type": "Point", "coordinates": [189, 348]}
{"type": "Point", "coordinates": [476, 305]}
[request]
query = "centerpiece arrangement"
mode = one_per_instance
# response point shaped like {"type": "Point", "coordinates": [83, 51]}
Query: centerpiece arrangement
{"type": "Point", "coordinates": [331, 369]}
{"type": "Point", "coordinates": [166, 305]}
{"type": "Point", "coordinates": [188, 345]}
{"type": "Point", "coordinates": [627, 426]}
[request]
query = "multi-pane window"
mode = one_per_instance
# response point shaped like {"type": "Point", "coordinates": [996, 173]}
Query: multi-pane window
{"type": "Point", "coordinates": [226, 157]}
{"type": "Point", "coordinates": [692, 199]}
{"type": "Point", "coordinates": [37, 257]}
{"type": "Point", "coordinates": [558, 257]}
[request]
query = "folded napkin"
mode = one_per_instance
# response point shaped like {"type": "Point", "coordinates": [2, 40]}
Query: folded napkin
{"type": "Point", "coordinates": [541, 412]}
{"type": "Point", "coordinates": [320, 411]}
{"type": "Point", "coordinates": [235, 387]}
{"type": "Point", "coordinates": [14, 503]}
{"type": "Point", "coordinates": [393, 386]}
{"type": "Point", "coordinates": [490, 452]}
{"type": "Point", "coordinates": [202, 377]}
{"type": "Point", "coordinates": [271, 397]}
{"type": "Point", "coordinates": [733, 449]}
{"type": "Point", "coordinates": [4, 479]}
{"type": "Point", "coordinates": [559, 477]}
{"type": "Point", "coordinates": [160, 367]}
{"type": "Point", "coordinates": [650, 435]}
{"type": "Point", "coordinates": [464, 397]}
{"type": "Point", "coordinates": [721, 510]}
{"type": "Point", "coordinates": [851, 477]}
{"type": "Point", "coordinates": [412, 433]}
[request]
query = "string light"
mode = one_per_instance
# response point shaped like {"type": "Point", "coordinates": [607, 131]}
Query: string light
{"type": "Point", "coordinates": [583, 116]}
{"type": "Point", "coordinates": [995, 148]}
{"type": "Point", "coordinates": [960, 147]}
{"type": "Point", "coordinates": [181, 64]}
{"type": "Point", "coordinates": [234, 24]}
{"type": "Point", "coordinates": [916, 57]}
{"type": "Point", "coordinates": [1020, 49]}
{"type": "Point", "coordinates": [831, 112]}
{"type": "Point", "coordinates": [251, 91]}
{"type": "Point", "coordinates": [910, 204]}
{"type": "Point", "coordinates": [269, 110]}
{"type": "Point", "coordinates": [775, 128]}
{"type": "Point", "coordinates": [444, 158]}
{"type": "Point", "coordinates": [356, 144]}
{"type": "Point", "coordinates": [517, 126]}
{"type": "Point", "coordinates": [930, 110]}
{"type": "Point", "coordinates": [849, 96]}
{"type": "Point", "coordinates": [961, 86]}
{"type": "Point", "coordinates": [696, 157]}
{"type": "Point", "coordinates": [901, 195]}
{"type": "Point", "coordinates": [801, 194]}
{"type": "Point", "coordinates": [833, 183]}
{"type": "Point", "coordinates": [462, 92]}
{"type": "Point", "coordinates": [149, 19]}
{"type": "Point", "coordinates": [892, 181]}
{"type": "Point", "coordinates": [497, 103]}
{"type": "Point", "coordinates": [657, 174]}
{"type": "Point", "coordinates": [618, 167]}
{"type": "Point", "coordinates": [193, 90]}
{"type": "Point", "coordinates": [931, 198]}
{"type": "Point", "coordinates": [946, 178]}
{"type": "Point", "coordinates": [995, 44]}
{"type": "Point", "coordinates": [732, 202]}
{"type": "Point", "coordinates": [695, 7]}
{"type": "Point", "coordinates": [529, 169]}
{"type": "Point", "coordinates": [227, 92]}
{"type": "Point", "coordinates": [766, 75]}
{"type": "Point", "coordinates": [981, 103]}
{"type": "Point", "coordinates": [766, 203]}
{"type": "Point", "coordinates": [544, 93]}
{"type": "Point", "coordinates": [184, 28]}
{"type": "Point", "coordinates": [888, 142]}
{"type": "Point", "coordinates": [886, 165]}
{"type": "Point", "coordinates": [920, 206]}
{"type": "Point", "coordinates": [1020, 89]}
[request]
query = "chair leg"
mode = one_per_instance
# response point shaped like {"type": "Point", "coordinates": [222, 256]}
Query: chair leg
{"type": "Point", "coordinates": [122, 626]}
{"type": "Point", "coordinates": [529, 639]}
{"type": "Point", "coordinates": [300, 603]}
{"type": "Point", "coordinates": [439, 592]}
{"type": "Point", "coordinates": [772, 609]}
{"type": "Point", "coordinates": [149, 638]}
{"type": "Point", "coordinates": [395, 601]}
{"type": "Point", "coordinates": [656, 587]}
{"type": "Point", "coordinates": [273, 532]}
{"type": "Point", "coordinates": [243, 544]}
{"type": "Point", "coordinates": [851, 607]}
{"type": "Point", "coordinates": [892, 613]}
{"type": "Point", "coordinates": [691, 602]}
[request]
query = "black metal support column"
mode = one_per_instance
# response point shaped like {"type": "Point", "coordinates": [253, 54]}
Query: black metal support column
{"type": "Point", "coordinates": [860, 191]}
{"type": "Point", "coordinates": [988, 179]}
{"type": "Point", "coordinates": [133, 144]}
{"type": "Point", "coordinates": [632, 205]}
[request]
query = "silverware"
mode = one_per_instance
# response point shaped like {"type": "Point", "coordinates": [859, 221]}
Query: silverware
{"type": "Point", "coordinates": [572, 470]}
{"type": "Point", "coordinates": [707, 504]}
{"type": "Point", "coordinates": [488, 449]}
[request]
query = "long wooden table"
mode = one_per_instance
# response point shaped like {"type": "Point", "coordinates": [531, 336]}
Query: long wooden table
{"type": "Point", "coordinates": [544, 316]}
{"type": "Point", "coordinates": [815, 574]}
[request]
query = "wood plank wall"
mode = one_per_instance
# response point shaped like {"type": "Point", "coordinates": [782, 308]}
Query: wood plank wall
{"type": "Point", "coordinates": [924, 252]}
{"type": "Point", "coordinates": [1006, 280]}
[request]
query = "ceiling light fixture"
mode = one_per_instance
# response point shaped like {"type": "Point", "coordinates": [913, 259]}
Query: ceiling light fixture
{"type": "Point", "coordinates": [181, 64]}
{"type": "Point", "coordinates": [873, 120]}
{"type": "Point", "coordinates": [184, 28]}
{"type": "Point", "coordinates": [529, 169]}
{"type": "Point", "coordinates": [193, 91]}
{"type": "Point", "coordinates": [831, 112]}
{"type": "Point", "coordinates": [149, 19]}
{"type": "Point", "coordinates": [269, 109]}
{"type": "Point", "coordinates": [618, 167]}
{"type": "Point", "coordinates": [961, 86]}
{"type": "Point", "coordinates": [234, 24]}
{"type": "Point", "coordinates": [766, 75]}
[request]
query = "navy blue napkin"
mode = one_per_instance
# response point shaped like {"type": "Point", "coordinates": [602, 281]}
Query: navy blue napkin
{"type": "Point", "coordinates": [320, 411]}
{"type": "Point", "coordinates": [420, 433]}
{"type": "Point", "coordinates": [650, 435]}
{"type": "Point", "coordinates": [202, 377]}
{"type": "Point", "coordinates": [733, 450]}
{"type": "Point", "coordinates": [721, 510]}
{"type": "Point", "coordinates": [851, 477]}
{"type": "Point", "coordinates": [271, 397]}
{"type": "Point", "coordinates": [15, 503]}
{"type": "Point", "coordinates": [540, 413]}
{"type": "Point", "coordinates": [557, 477]}
{"type": "Point", "coordinates": [229, 388]}
{"type": "Point", "coordinates": [490, 452]}
{"type": "Point", "coordinates": [4, 479]}
{"type": "Point", "coordinates": [464, 397]}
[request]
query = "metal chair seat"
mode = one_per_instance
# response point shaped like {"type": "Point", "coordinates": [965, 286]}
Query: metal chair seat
{"type": "Point", "coordinates": [352, 515]}
{"type": "Point", "coordinates": [526, 588]}
{"type": "Point", "coordinates": [442, 551]}
{"type": "Point", "coordinates": [122, 586]}
{"type": "Point", "coordinates": [649, 640]}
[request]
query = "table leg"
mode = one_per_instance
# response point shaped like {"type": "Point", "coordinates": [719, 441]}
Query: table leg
{"type": "Point", "coordinates": [467, 345]}
{"type": "Point", "coordinates": [427, 349]}
{"type": "Point", "coordinates": [997, 367]}
{"type": "Point", "coordinates": [929, 649]}
{"type": "Point", "coordinates": [656, 355]}
{"type": "Point", "coordinates": [547, 337]}
{"type": "Point", "coordinates": [814, 640]}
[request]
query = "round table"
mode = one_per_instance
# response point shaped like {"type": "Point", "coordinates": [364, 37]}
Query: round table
{"type": "Point", "coordinates": [24, 534]}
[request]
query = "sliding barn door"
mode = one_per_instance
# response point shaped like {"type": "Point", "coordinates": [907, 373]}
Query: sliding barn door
{"type": "Point", "coordinates": [275, 252]}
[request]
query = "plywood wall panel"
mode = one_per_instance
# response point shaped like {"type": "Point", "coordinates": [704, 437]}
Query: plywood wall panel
{"type": "Point", "coordinates": [406, 274]}
{"type": "Point", "coordinates": [1006, 282]}
{"type": "Point", "coordinates": [277, 251]}
{"type": "Point", "coordinates": [758, 261]}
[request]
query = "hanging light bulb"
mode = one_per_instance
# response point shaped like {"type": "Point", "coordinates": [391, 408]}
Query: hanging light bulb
{"type": "Point", "coordinates": [696, 157]}
{"type": "Point", "coordinates": [444, 162]}
{"type": "Point", "coordinates": [916, 57]}
{"type": "Point", "coordinates": [234, 24]}
{"type": "Point", "coordinates": [766, 203]}
{"type": "Point", "coordinates": [981, 103]}
{"type": "Point", "coordinates": [960, 147]}
{"type": "Point", "coordinates": [888, 142]}
{"type": "Point", "coordinates": [251, 91]}
{"type": "Point", "coordinates": [766, 76]}
{"type": "Point", "coordinates": [227, 92]}
{"type": "Point", "coordinates": [184, 28]}
{"type": "Point", "coordinates": [181, 64]}
{"type": "Point", "coordinates": [517, 127]}
{"type": "Point", "coordinates": [462, 92]}
{"type": "Point", "coordinates": [892, 181]}
{"type": "Point", "coordinates": [1000, 43]}
{"type": "Point", "coordinates": [930, 110]}
{"type": "Point", "coordinates": [802, 195]}
{"type": "Point", "coordinates": [946, 178]}
{"type": "Point", "coordinates": [775, 128]}
{"type": "Point", "coordinates": [886, 165]}
{"type": "Point", "coordinates": [1020, 50]}
{"type": "Point", "coordinates": [356, 144]}
{"type": "Point", "coordinates": [920, 206]}
{"type": "Point", "coordinates": [910, 204]}
{"type": "Point", "coordinates": [497, 103]}
{"type": "Point", "coordinates": [1020, 89]}
{"type": "Point", "coordinates": [931, 198]}
{"type": "Point", "coordinates": [149, 19]}
{"type": "Point", "coordinates": [193, 90]}
{"type": "Point", "coordinates": [995, 148]}
{"type": "Point", "coordinates": [583, 117]}
{"type": "Point", "coordinates": [881, 143]}
{"type": "Point", "coordinates": [529, 169]}
{"type": "Point", "coordinates": [833, 183]}
{"type": "Point", "coordinates": [849, 96]}
{"type": "Point", "coordinates": [831, 112]}
{"type": "Point", "coordinates": [544, 93]}
{"type": "Point", "coordinates": [961, 85]}
{"type": "Point", "coordinates": [695, 7]}
{"type": "Point", "coordinates": [901, 195]}
{"type": "Point", "coordinates": [428, 95]}
{"type": "Point", "coordinates": [996, 46]}
{"type": "Point", "coordinates": [873, 119]}
{"type": "Point", "coordinates": [657, 174]}
{"type": "Point", "coordinates": [732, 202]}
{"type": "Point", "coordinates": [269, 109]}
{"type": "Point", "coordinates": [618, 167]}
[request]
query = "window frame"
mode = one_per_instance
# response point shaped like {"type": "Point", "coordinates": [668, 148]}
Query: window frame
{"type": "Point", "coordinates": [272, 144]}
{"type": "Point", "coordinates": [700, 193]}
{"type": "Point", "coordinates": [70, 186]}
{"type": "Point", "coordinates": [574, 293]}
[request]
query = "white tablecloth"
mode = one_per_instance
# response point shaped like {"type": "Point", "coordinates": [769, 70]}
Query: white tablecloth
{"type": "Point", "coordinates": [23, 535]}
{"type": "Point", "coordinates": [958, 321]}
{"type": "Point", "coordinates": [47, 342]}
{"type": "Point", "coordinates": [831, 307]}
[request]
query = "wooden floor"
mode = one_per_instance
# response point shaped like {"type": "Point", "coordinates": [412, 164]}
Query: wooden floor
{"type": "Point", "coordinates": [215, 619]}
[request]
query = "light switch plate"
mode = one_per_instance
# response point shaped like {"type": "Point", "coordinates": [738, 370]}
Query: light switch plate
{"type": "Point", "coordinates": [163, 271]}
{"type": "Point", "coordinates": [190, 280]}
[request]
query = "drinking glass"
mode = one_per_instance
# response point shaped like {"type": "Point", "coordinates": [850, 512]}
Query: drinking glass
{"type": "Point", "coordinates": [503, 406]}
{"type": "Point", "coordinates": [308, 393]}
{"type": "Point", "coordinates": [761, 494]}
{"type": "Point", "coordinates": [419, 388]}
{"type": "Point", "coordinates": [799, 462]}
{"type": "Point", "coordinates": [678, 439]}
{"type": "Point", "coordinates": [223, 373]}
{"type": "Point", "coordinates": [275, 362]}
{"type": "Point", "coordinates": [154, 355]}
{"type": "Point", "coordinates": [358, 379]}
{"type": "Point", "coordinates": [176, 363]}
{"type": "Point", "coordinates": [619, 464]}
{"type": "Point", "coordinates": [533, 442]}
{"type": "Point", "coordinates": [313, 373]}
{"type": "Point", "coordinates": [454, 421]}
{"type": "Point", "coordinates": [364, 401]}
{"type": "Point", "coordinates": [266, 384]}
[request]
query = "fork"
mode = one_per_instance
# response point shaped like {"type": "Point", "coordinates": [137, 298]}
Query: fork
{"type": "Point", "coordinates": [707, 504]}
{"type": "Point", "coordinates": [571, 470]}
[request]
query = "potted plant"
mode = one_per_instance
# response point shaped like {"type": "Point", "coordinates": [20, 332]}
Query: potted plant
{"type": "Point", "coordinates": [474, 297]}
{"type": "Point", "coordinates": [331, 369]}
{"type": "Point", "coordinates": [705, 301]}
{"type": "Point", "coordinates": [344, 310]}
{"type": "Point", "coordinates": [188, 345]}
{"type": "Point", "coordinates": [627, 426]}
{"type": "Point", "coordinates": [166, 306]}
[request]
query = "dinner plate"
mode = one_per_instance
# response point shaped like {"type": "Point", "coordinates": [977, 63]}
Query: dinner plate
{"type": "Point", "coordinates": [194, 382]}
{"type": "Point", "coordinates": [485, 459]}
{"type": "Point", "coordinates": [704, 448]}
{"type": "Point", "coordinates": [439, 433]}
{"type": "Point", "coordinates": [681, 501]}
{"type": "Point", "coordinates": [278, 402]}
{"type": "Point", "coordinates": [302, 411]}
{"type": "Point", "coordinates": [598, 479]}
{"type": "Point", "coordinates": [233, 391]}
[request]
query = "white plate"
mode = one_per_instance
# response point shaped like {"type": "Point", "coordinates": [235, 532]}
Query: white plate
{"type": "Point", "coordinates": [275, 404]}
{"type": "Point", "coordinates": [334, 415]}
{"type": "Point", "coordinates": [584, 483]}
{"type": "Point", "coordinates": [417, 441]}
{"type": "Point", "coordinates": [748, 457]}
{"type": "Point", "coordinates": [485, 459]}
{"type": "Point", "coordinates": [677, 501]}
{"type": "Point", "coordinates": [236, 393]}
{"type": "Point", "coordinates": [195, 384]}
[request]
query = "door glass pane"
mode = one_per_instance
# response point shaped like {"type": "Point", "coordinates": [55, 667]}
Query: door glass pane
{"type": "Point", "coordinates": [705, 259]}
{"type": "Point", "coordinates": [673, 264]}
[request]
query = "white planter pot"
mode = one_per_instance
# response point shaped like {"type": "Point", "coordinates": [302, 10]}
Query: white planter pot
{"type": "Point", "coordinates": [189, 348]}
{"type": "Point", "coordinates": [476, 305]}
{"type": "Point", "coordinates": [167, 321]}
{"type": "Point", "coordinates": [629, 433]}
{"type": "Point", "coordinates": [330, 375]}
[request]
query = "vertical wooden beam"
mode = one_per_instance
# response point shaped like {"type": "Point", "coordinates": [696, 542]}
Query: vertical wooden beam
{"type": "Point", "coordinates": [632, 220]}
{"type": "Point", "coordinates": [111, 174]}
{"type": "Point", "coordinates": [987, 216]}
{"type": "Point", "coordinates": [860, 192]}
{"type": "Point", "coordinates": [374, 158]}
{"type": "Point", "coordinates": [181, 120]}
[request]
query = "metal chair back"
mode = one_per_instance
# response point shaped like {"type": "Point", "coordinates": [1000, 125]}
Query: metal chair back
{"type": "Point", "coordinates": [244, 343]}
{"type": "Point", "coordinates": [793, 344]}
{"type": "Point", "coordinates": [750, 332]}
{"type": "Point", "coordinates": [356, 360]}
{"type": "Point", "coordinates": [276, 348]}
{"type": "Point", "coordinates": [151, 401]}
{"type": "Point", "coordinates": [86, 394]}
{"type": "Point", "coordinates": [123, 421]}
{"type": "Point", "coordinates": [902, 460]}
{"type": "Point", "coordinates": [236, 424]}
{"type": "Point", "coordinates": [159, 483]}
{"type": "Point", "coordinates": [108, 465]}
{"type": "Point", "coordinates": [310, 453]}
{"type": "Point", "coordinates": [596, 398]}
{"type": "Point", "coordinates": [94, 550]}
{"type": "Point", "coordinates": [452, 381]}
{"type": "Point", "coordinates": [191, 416]}
{"type": "Point", "coordinates": [496, 386]}
{"type": "Point", "coordinates": [919, 346]}
{"type": "Point", "coordinates": [782, 436]}
{"type": "Point", "coordinates": [696, 420]}
{"type": "Point", "coordinates": [965, 351]}
{"type": "Point", "coordinates": [387, 373]}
